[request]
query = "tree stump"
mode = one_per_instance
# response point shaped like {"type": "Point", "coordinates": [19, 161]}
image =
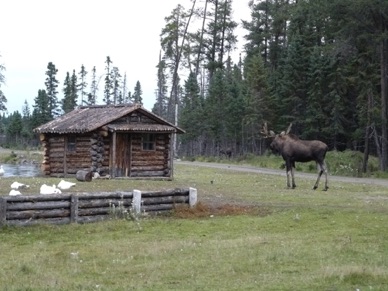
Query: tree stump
{"type": "Point", "coordinates": [85, 176]}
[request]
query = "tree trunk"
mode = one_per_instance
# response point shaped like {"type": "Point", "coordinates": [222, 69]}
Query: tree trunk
{"type": "Point", "coordinates": [367, 133]}
{"type": "Point", "coordinates": [174, 88]}
{"type": "Point", "coordinates": [384, 89]}
{"type": "Point", "coordinates": [201, 40]}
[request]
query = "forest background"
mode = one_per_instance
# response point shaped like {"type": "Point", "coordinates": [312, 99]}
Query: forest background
{"type": "Point", "coordinates": [321, 65]}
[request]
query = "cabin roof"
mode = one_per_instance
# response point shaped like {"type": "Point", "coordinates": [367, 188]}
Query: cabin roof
{"type": "Point", "coordinates": [89, 118]}
{"type": "Point", "coordinates": [142, 127]}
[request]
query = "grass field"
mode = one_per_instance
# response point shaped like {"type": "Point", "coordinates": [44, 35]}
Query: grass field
{"type": "Point", "coordinates": [248, 233]}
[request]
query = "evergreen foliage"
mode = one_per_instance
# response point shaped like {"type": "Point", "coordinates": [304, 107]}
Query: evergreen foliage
{"type": "Point", "coordinates": [322, 65]}
{"type": "Point", "coordinates": [137, 94]}
{"type": "Point", "coordinates": [81, 86]}
{"type": "Point", "coordinates": [3, 99]}
{"type": "Point", "coordinates": [51, 89]}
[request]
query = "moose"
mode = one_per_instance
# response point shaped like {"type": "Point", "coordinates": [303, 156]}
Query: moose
{"type": "Point", "coordinates": [293, 149]}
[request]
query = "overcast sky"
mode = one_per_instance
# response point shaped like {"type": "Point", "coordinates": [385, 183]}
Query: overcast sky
{"type": "Point", "coordinates": [70, 33]}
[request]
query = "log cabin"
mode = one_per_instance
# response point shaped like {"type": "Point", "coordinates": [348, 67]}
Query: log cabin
{"type": "Point", "coordinates": [123, 140]}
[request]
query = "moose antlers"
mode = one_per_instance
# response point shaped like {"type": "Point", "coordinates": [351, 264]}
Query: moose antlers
{"type": "Point", "coordinates": [267, 134]}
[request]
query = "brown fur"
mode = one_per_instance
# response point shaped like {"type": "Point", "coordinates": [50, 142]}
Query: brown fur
{"type": "Point", "coordinates": [294, 150]}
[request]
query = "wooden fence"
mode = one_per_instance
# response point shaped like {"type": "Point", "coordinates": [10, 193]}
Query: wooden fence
{"type": "Point", "coordinates": [84, 207]}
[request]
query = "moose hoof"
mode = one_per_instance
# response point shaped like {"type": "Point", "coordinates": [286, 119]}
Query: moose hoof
{"type": "Point", "coordinates": [325, 189]}
{"type": "Point", "coordinates": [315, 188]}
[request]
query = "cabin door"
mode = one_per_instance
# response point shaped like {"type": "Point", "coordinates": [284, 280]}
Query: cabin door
{"type": "Point", "coordinates": [123, 155]}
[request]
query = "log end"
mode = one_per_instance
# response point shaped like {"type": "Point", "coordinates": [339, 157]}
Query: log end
{"type": "Point", "coordinates": [84, 176]}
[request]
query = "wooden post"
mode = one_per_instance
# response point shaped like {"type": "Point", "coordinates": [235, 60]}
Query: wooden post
{"type": "Point", "coordinates": [114, 166]}
{"type": "Point", "coordinates": [136, 201]}
{"type": "Point", "coordinates": [3, 211]}
{"type": "Point", "coordinates": [171, 153]}
{"type": "Point", "coordinates": [73, 208]}
{"type": "Point", "coordinates": [64, 156]}
{"type": "Point", "coordinates": [192, 197]}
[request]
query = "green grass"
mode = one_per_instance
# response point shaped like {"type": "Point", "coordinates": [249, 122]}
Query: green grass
{"type": "Point", "coordinates": [293, 240]}
{"type": "Point", "coordinates": [289, 250]}
{"type": "Point", "coordinates": [346, 163]}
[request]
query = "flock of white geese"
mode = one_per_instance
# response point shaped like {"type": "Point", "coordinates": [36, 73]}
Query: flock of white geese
{"type": "Point", "coordinates": [44, 189]}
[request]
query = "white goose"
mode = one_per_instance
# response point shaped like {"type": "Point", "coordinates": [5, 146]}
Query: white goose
{"type": "Point", "coordinates": [16, 185]}
{"type": "Point", "coordinates": [1, 170]}
{"type": "Point", "coordinates": [64, 185]}
{"type": "Point", "coordinates": [46, 190]}
{"type": "Point", "coordinates": [14, 192]}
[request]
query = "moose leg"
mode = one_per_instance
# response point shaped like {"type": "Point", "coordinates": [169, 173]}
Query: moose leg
{"type": "Point", "coordinates": [293, 174]}
{"type": "Point", "coordinates": [325, 172]}
{"type": "Point", "coordinates": [322, 170]}
{"type": "Point", "coordinates": [289, 172]}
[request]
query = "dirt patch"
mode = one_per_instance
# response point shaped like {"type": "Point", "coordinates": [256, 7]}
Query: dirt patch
{"type": "Point", "coordinates": [202, 210]}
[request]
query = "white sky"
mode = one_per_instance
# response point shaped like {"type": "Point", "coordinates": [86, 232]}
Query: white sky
{"type": "Point", "coordinates": [70, 33]}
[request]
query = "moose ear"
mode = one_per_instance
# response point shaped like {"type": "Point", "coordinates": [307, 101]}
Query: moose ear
{"type": "Point", "coordinates": [271, 133]}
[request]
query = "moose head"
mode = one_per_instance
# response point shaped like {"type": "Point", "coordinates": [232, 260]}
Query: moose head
{"type": "Point", "coordinates": [293, 149]}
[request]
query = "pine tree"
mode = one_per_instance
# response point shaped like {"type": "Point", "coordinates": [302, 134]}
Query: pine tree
{"type": "Point", "coordinates": [41, 113]}
{"type": "Point", "coordinates": [74, 91]}
{"type": "Point", "coordinates": [66, 103]}
{"type": "Point", "coordinates": [14, 129]}
{"type": "Point", "coordinates": [92, 96]}
{"type": "Point", "coordinates": [160, 107]}
{"type": "Point", "coordinates": [3, 99]}
{"type": "Point", "coordinates": [123, 96]}
{"type": "Point", "coordinates": [27, 131]}
{"type": "Point", "coordinates": [219, 36]}
{"type": "Point", "coordinates": [82, 85]}
{"type": "Point", "coordinates": [191, 117]}
{"type": "Point", "coordinates": [137, 94]}
{"type": "Point", "coordinates": [51, 87]}
{"type": "Point", "coordinates": [116, 85]}
{"type": "Point", "coordinates": [108, 82]}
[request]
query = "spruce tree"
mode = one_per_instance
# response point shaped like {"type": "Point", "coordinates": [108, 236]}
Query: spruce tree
{"type": "Point", "coordinates": [82, 85]}
{"type": "Point", "coordinates": [108, 82]}
{"type": "Point", "coordinates": [51, 89]}
{"type": "Point", "coordinates": [92, 96]}
{"type": "Point", "coordinates": [191, 117]}
{"type": "Point", "coordinates": [3, 99]}
{"type": "Point", "coordinates": [160, 106]}
{"type": "Point", "coordinates": [66, 103]}
{"type": "Point", "coordinates": [137, 94]}
{"type": "Point", "coordinates": [116, 86]}
{"type": "Point", "coordinates": [41, 113]}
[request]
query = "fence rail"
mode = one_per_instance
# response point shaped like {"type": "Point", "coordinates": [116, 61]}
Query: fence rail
{"type": "Point", "coordinates": [87, 207]}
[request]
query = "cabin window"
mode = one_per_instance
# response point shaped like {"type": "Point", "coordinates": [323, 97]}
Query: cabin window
{"type": "Point", "coordinates": [148, 142]}
{"type": "Point", "coordinates": [71, 142]}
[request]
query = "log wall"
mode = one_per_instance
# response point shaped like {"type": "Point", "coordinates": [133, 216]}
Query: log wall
{"type": "Point", "coordinates": [93, 152]}
{"type": "Point", "coordinates": [84, 207]}
{"type": "Point", "coordinates": [153, 163]}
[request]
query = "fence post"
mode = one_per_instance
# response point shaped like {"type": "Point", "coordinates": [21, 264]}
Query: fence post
{"type": "Point", "coordinates": [136, 201]}
{"type": "Point", "coordinates": [192, 196]}
{"type": "Point", "coordinates": [73, 208]}
{"type": "Point", "coordinates": [3, 211]}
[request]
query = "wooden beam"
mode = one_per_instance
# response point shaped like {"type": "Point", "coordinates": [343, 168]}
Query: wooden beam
{"type": "Point", "coordinates": [114, 166]}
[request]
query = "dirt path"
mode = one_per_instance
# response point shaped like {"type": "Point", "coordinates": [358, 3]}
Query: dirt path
{"type": "Point", "coordinates": [251, 169]}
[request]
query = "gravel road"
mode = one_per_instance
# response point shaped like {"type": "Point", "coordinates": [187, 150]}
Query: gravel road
{"type": "Point", "coordinates": [251, 169]}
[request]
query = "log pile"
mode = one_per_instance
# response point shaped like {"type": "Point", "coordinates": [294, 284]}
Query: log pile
{"type": "Point", "coordinates": [97, 150]}
{"type": "Point", "coordinates": [45, 166]}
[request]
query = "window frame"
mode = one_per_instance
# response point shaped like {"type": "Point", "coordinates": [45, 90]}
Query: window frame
{"type": "Point", "coordinates": [148, 142]}
{"type": "Point", "coordinates": [71, 144]}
